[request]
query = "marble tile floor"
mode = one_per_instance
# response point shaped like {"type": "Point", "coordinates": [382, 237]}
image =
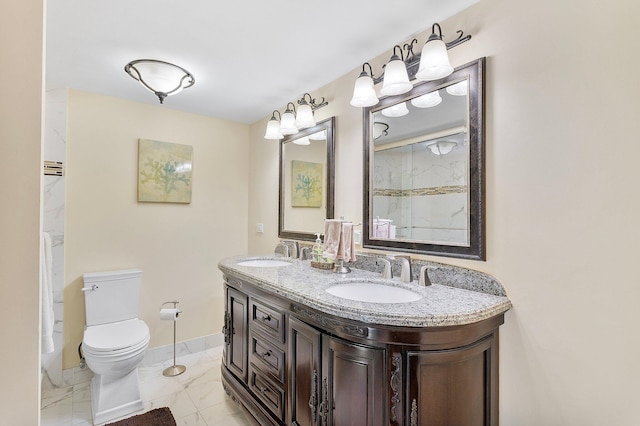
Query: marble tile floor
{"type": "Point", "coordinates": [196, 397]}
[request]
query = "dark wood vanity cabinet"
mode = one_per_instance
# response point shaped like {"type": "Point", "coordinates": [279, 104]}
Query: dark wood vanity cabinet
{"type": "Point", "coordinates": [303, 367]}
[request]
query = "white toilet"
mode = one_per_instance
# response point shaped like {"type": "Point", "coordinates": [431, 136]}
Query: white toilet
{"type": "Point", "coordinates": [114, 342]}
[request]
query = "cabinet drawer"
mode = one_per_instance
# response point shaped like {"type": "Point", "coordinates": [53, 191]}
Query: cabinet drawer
{"type": "Point", "coordinates": [270, 394]}
{"type": "Point", "coordinates": [267, 319]}
{"type": "Point", "coordinates": [267, 357]}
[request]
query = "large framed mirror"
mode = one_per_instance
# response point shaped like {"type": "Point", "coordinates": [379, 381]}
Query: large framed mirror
{"type": "Point", "coordinates": [424, 168]}
{"type": "Point", "coordinates": [307, 171]}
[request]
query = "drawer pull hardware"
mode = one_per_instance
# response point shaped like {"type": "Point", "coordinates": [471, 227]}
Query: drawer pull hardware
{"type": "Point", "coordinates": [265, 354]}
{"type": "Point", "coordinates": [324, 405]}
{"type": "Point", "coordinates": [313, 399]}
{"type": "Point", "coordinates": [226, 329]}
{"type": "Point", "coordinates": [264, 390]}
{"type": "Point", "coordinates": [265, 318]}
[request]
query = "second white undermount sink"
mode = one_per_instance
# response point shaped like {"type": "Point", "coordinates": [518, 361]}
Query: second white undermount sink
{"type": "Point", "coordinates": [373, 293]}
{"type": "Point", "coordinates": [263, 263]}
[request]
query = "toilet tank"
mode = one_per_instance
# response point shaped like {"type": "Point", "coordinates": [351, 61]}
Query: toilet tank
{"type": "Point", "coordinates": [115, 297]}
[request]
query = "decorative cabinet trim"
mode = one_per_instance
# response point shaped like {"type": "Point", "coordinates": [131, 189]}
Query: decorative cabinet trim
{"type": "Point", "coordinates": [352, 330]}
{"type": "Point", "coordinates": [396, 386]}
{"type": "Point", "coordinates": [414, 413]}
{"type": "Point", "coordinates": [313, 399]}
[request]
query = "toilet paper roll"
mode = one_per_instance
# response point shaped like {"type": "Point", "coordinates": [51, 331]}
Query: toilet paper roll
{"type": "Point", "coordinates": [169, 314]}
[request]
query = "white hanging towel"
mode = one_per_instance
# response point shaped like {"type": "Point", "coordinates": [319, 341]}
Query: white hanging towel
{"type": "Point", "coordinates": [46, 287]}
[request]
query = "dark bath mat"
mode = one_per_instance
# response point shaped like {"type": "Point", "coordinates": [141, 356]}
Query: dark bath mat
{"type": "Point", "coordinates": [157, 417]}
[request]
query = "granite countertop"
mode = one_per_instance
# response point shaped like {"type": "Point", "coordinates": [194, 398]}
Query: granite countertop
{"type": "Point", "coordinates": [441, 305]}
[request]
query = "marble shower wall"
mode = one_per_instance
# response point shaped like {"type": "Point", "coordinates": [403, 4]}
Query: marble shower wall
{"type": "Point", "coordinates": [55, 131]}
{"type": "Point", "coordinates": [424, 194]}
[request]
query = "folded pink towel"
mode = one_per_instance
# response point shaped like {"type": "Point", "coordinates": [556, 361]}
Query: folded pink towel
{"type": "Point", "coordinates": [347, 248]}
{"type": "Point", "coordinates": [332, 231]}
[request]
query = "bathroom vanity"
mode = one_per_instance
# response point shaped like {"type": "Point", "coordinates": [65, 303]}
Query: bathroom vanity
{"type": "Point", "coordinates": [296, 354]}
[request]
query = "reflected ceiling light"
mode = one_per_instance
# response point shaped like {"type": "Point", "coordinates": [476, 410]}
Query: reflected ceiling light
{"type": "Point", "coordinates": [441, 147]}
{"type": "Point", "coordinates": [380, 129]}
{"type": "Point", "coordinates": [302, 141]}
{"type": "Point", "coordinates": [319, 136]}
{"type": "Point", "coordinates": [431, 64]}
{"type": "Point", "coordinates": [291, 122]}
{"type": "Point", "coordinates": [427, 101]}
{"type": "Point", "coordinates": [160, 78]}
{"type": "Point", "coordinates": [396, 79]}
{"type": "Point", "coordinates": [458, 89]}
{"type": "Point", "coordinates": [364, 95]}
{"type": "Point", "coordinates": [397, 110]}
{"type": "Point", "coordinates": [273, 127]}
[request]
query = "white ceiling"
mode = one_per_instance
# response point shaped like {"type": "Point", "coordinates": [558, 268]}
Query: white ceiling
{"type": "Point", "coordinates": [248, 57]}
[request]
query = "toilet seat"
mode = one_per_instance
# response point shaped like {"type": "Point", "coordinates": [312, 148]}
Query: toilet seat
{"type": "Point", "coordinates": [116, 338]}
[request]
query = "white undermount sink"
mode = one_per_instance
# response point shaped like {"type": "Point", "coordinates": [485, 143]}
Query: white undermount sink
{"type": "Point", "coordinates": [263, 263]}
{"type": "Point", "coordinates": [373, 293]}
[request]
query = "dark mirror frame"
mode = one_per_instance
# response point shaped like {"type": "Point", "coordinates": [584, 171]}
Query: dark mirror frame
{"type": "Point", "coordinates": [329, 125]}
{"type": "Point", "coordinates": [475, 72]}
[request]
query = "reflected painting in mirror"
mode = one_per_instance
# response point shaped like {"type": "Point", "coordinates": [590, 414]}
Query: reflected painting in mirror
{"type": "Point", "coordinates": [306, 181]}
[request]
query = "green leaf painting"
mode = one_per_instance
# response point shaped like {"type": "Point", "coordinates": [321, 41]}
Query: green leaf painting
{"type": "Point", "coordinates": [306, 190]}
{"type": "Point", "coordinates": [164, 172]}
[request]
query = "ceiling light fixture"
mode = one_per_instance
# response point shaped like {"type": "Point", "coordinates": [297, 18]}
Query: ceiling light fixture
{"type": "Point", "coordinates": [432, 64]}
{"type": "Point", "coordinates": [293, 121]}
{"type": "Point", "coordinates": [380, 129]}
{"type": "Point", "coordinates": [160, 78]}
{"type": "Point", "coordinates": [441, 147]}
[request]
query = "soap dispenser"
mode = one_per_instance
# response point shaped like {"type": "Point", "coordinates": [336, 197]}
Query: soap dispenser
{"type": "Point", "coordinates": [318, 249]}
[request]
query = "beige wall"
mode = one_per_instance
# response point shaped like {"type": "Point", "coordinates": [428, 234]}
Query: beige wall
{"type": "Point", "coordinates": [176, 245]}
{"type": "Point", "coordinates": [562, 203]}
{"type": "Point", "coordinates": [20, 218]}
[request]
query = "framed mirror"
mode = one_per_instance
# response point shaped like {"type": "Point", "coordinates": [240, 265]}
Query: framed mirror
{"type": "Point", "coordinates": [307, 171]}
{"type": "Point", "coordinates": [424, 168]}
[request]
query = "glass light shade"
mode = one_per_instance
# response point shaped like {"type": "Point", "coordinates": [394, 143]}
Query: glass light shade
{"type": "Point", "coordinates": [458, 89]}
{"type": "Point", "coordinates": [434, 61]}
{"type": "Point", "coordinates": [304, 118]}
{"type": "Point", "coordinates": [288, 123]}
{"type": "Point", "coordinates": [441, 147]}
{"type": "Point", "coordinates": [396, 110]}
{"type": "Point", "coordinates": [162, 77]}
{"type": "Point", "coordinates": [302, 141]}
{"type": "Point", "coordinates": [319, 136]}
{"type": "Point", "coordinates": [364, 95]}
{"type": "Point", "coordinates": [273, 130]}
{"type": "Point", "coordinates": [396, 79]}
{"type": "Point", "coordinates": [427, 101]}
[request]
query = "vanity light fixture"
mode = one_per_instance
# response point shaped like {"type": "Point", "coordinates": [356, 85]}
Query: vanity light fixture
{"type": "Point", "coordinates": [302, 141]}
{"type": "Point", "coordinates": [364, 95]}
{"type": "Point", "coordinates": [441, 147]}
{"type": "Point", "coordinates": [396, 79]}
{"type": "Point", "coordinates": [432, 64]}
{"type": "Point", "coordinates": [161, 78]}
{"type": "Point", "coordinates": [319, 136]}
{"type": "Point", "coordinates": [273, 127]}
{"type": "Point", "coordinates": [292, 121]}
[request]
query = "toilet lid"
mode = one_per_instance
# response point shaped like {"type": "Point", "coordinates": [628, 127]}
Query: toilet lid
{"type": "Point", "coordinates": [117, 335]}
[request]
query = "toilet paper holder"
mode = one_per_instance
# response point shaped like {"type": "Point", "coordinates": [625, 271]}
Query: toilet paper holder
{"type": "Point", "coordinates": [174, 370]}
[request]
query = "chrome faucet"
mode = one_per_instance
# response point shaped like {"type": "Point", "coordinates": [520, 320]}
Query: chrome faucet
{"type": "Point", "coordinates": [386, 272]}
{"type": "Point", "coordinates": [424, 276]}
{"type": "Point", "coordinates": [405, 273]}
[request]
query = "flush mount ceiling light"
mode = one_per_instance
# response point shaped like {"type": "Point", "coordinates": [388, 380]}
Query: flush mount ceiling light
{"type": "Point", "coordinates": [291, 120]}
{"type": "Point", "coordinates": [160, 78]}
{"type": "Point", "coordinates": [380, 129]}
{"type": "Point", "coordinates": [441, 147]}
{"type": "Point", "coordinates": [431, 64]}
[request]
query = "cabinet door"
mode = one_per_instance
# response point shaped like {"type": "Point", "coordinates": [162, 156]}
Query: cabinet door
{"type": "Point", "coordinates": [304, 374]}
{"type": "Point", "coordinates": [453, 387]}
{"type": "Point", "coordinates": [353, 384]}
{"type": "Point", "coordinates": [236, 333]}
